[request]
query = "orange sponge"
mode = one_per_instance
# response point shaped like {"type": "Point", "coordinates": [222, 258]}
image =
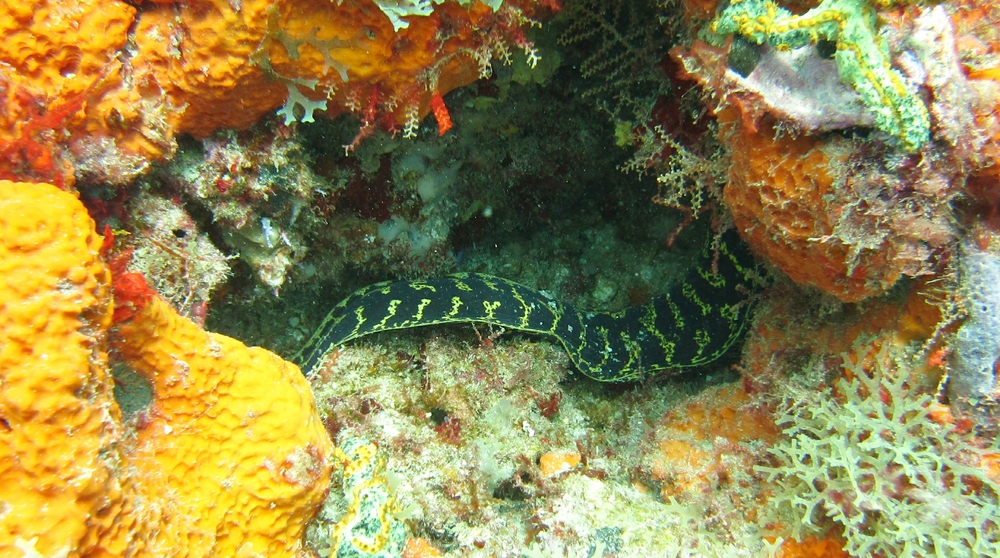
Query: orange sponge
{"type": "Point", "coordinates": [708, 440]}
{"type": "Point", "coordinates": [785, 203]}
{"type": "Point", "coordinates": [230, 459]}
{"type": "Point", "coordinates": [54, 58]}
{"type": "Point", "coordinates": [114, 86]}
{"type": "Point", "coordinates": [232, 440]}
{"type": "Point", "coordinates": [553, 463]}
{"type": "Point", "coordinates": [230, 63]}
{"type": "Point", "coordinates": [58, 420]}
{"type": "Point", "coordinates": [812, 547]}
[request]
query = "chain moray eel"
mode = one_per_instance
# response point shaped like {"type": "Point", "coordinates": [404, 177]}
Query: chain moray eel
{"type": "Point", "coordinates": [694, 323]}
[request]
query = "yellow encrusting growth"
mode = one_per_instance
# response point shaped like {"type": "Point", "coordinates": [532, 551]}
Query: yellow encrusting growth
{"type": "Point", "coordinates": [369, 527]}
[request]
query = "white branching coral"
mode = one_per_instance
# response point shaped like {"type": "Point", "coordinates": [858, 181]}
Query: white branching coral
{"type": "Point", "coordinates": [874, 462]}
{"type": "Point", "coordinates": [396, 10]}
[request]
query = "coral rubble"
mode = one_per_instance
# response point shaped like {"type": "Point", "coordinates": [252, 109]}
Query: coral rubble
{"type": "Point", "coordinates": [486, 461]}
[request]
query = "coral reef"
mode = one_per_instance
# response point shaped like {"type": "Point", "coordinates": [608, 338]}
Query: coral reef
{"type": "Point", "coordinates": [786, 198]}
{"type": "Point", "coordinates": [106, 88]}
{"type": "Point", "coordinates": [256, 185]}
{"type": "Point", "coordinates": [468, 201]}
{"type": "Point", "coordinates": [229, 458]}
{"type": "Point", "coordinates": [521, 474]}
{"type": "Point", "coordinates": [180, 261]}
{"type": "Point", "coordinates": [268, 157]}
{"type": "Point", "coordinates": [849, 215]}
{"type": "Point", "coordinates": [64, 94]}
{"type": "Point", "coordinates": [714, 439]}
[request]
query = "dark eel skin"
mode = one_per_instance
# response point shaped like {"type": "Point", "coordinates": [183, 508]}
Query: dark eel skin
{"type": "Point", "coordinates": [697, 321]}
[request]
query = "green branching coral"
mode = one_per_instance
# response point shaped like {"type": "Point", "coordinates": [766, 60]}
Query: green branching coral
{"type": "Point", "coordinates": [862, 57]}
{"type": "Point", "coordinates": [875, 463]}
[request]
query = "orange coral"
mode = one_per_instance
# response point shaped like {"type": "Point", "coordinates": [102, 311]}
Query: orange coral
{"type": "Point", "coordinates": [787, 337]}
{"type": "Point", "coordinates": [812, 547]}
{"type": "Point", "coordinates": [990, 462]}
{"type": "Point", "coordinates": [230, 425]}
{"type": "Point", "coordinates": [230, 459]}
{"type": "Point", "coordinates": [982, 184]}
{"type": "Point", "coordinates": [67, 82]}
{"type": "Point", "coordinates": [348, 53]}
{"type": "Point", "coordinates": [441, 114]}
{"type": "Point", "coordinates": [420, 548]}
{"type": "Point", "coordinates": [58, 420]}
{"type": "Point", "coordinates": [53, 58]}
{"type": "Point", "coordinates": [838, 213]}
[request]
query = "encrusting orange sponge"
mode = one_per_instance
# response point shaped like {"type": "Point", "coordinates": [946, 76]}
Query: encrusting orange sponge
{"type": "Point", "coordinates": [256, 55]}
{"type": "Point", "coordinates": [555, 462]}
{"type": "Point", "coordinates": [100, 88]}
{"type": "Point", "coordinates": [230, 459]}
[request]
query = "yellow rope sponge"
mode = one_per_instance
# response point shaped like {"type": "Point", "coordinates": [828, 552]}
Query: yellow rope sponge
{"type": "Point", "coordinates": [230, 459]}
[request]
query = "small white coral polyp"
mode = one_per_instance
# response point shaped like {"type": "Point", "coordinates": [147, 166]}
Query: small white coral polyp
{"type": "Point", "coordinates": [874, 462]}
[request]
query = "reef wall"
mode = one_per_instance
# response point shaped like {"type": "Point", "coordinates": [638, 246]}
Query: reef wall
{"type": "Point", "coordinates": [169, 166]}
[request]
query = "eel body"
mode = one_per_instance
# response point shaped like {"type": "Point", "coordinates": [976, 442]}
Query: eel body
{"type": "Point", "coordinates": [697, 321]}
